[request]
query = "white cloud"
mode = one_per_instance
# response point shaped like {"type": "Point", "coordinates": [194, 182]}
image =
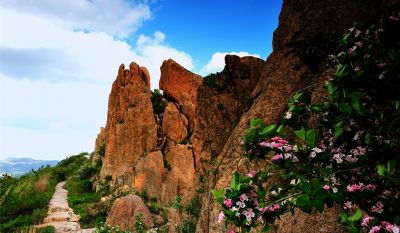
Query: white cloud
{"type": "Point", "coordinates": [54, 81]}
{"type": "Point", "coordinates": [217, 62]}
{"type": "Point", "coordinates": [152, 51]}
{"type": "Point", "coordinates": [117, 18]}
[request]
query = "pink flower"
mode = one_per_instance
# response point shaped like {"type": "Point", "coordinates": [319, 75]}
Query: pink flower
{"type": "Point", "coordinates": [375, 229]}
{"type": "Point", "coordinates": [244, 197]}
{"type": "Point", "coordinates": [249, 214]}
{"type": "Point", "coordinates": [394, 18]}
{"type": "Point", "coordinates": [231, 231]}
{"type": "Point", "coordinates": [240, 204]}
{"type": "Point", "coordinates": [381, 65]}
{"type": "Point", "coordinates": [366, 221]}
{"type": "Point", "coordinates": [326, 187]}
{"type": "Point", "coordinates": [377, 208]}
{"type": "Point", "coordinates": [359, 44]}
{"type": "Point", "coordinates": [241, 142]}
{"type": "Point", "coordinates": [252, 174]}
{"type": "Point", "coordinates": [221, 217]}
{"type": "Point", "coordinates": [338, 157]}
{"type": "Point", "coordinates": [355, 187]}
{"type": "Point", "coordinates": [348, 205]}
{"type": "Point", "coordinates": [276, 144]}
{"type": "Point", "coordinates": [277, 157]}
{"type": "Point", "coordinates": [228, 203]}
{"type": "Point", "coordinates": [265, 144]}
{"type": "Point", "coordinates": [273, 208]}
{"type": "Point", "coordinates": [350, 51]}
{"type": "Point", "coordinates": [370, 187]}
{"type": "Point", "coordinates": [359, 151]}
{"type": "Point", "coordinates": [276, 139]}
{"type": "Point", "coordinates": [392, 228]}
{"type": "Point", "coordinates": [382, 75]}
{"type": "Point", "coordinates": [386, 193]}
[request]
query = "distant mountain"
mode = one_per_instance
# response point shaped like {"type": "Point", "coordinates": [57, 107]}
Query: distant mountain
{"type": "Point", "coordinates": [20, 166]}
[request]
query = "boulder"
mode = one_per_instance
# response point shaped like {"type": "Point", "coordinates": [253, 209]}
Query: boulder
{"type": "Point", "coordinates": [125, 210]}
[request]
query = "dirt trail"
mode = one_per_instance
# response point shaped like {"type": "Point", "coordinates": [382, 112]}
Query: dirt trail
{"type": "Point", "coordinates": [60, 215]}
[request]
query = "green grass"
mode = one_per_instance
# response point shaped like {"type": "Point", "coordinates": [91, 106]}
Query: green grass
{"type": "Point", "coordinates": [85, 202]}
{"type": "Point", "coordinates": [48, 229]}
{"type": "Point", "coordinates": [24, 200]}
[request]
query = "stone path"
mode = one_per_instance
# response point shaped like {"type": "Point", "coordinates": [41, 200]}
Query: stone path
{"type": "Point", "coordinates": [60, 215]}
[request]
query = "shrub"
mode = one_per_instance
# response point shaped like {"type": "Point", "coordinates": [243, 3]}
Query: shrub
{"type": "Point", "coordinates": [102, 150]}
{"type": "Point", "coordinates": [159, 102]}
{"type": "Point", "coordinates": [350, 158]}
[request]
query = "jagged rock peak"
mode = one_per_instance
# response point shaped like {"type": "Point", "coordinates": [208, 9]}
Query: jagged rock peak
{"type": "Point", "coordinates": [181, 85]}
{"type": "Point", "coordinates": [135, 74]}
{"type": "Point", "coordinates": [131, 131]}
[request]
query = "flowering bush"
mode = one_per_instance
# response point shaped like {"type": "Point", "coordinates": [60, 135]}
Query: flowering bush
{"type": "Point", "coordinates": [350, 158]}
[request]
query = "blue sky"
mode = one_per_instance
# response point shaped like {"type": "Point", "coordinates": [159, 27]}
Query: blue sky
{"type": "Point", "coordinates": [58, 59]}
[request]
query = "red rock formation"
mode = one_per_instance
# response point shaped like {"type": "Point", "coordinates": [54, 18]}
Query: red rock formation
{"type": "Point", "coordinates": [124, 211]}
{"type": "Point", "coordinates": [131, 131]}
{"type": "Point", "coordinates": [180, 178]}
{"type": "Point", "coordinates": [149, 173]}
{"type": "Point", "coordinates": [222, 100]}
{"type": "Point", "coordinates": [181, 85]}
{"type": "Point", "coordinates": [174, 124]}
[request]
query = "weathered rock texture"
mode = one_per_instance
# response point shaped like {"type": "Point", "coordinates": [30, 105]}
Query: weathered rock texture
{"type": "Point", "coordinates": [131, 131]}
{"type": "Point", "coordinates": [181, 85]}
{"type": "Point", "coordinates": [143, 149]}
{"type": "Point", "coordinates": [221, 101]}
{"type": "Point", "coordinates": [302, 24]}
{"type": "Point", "coordinates": [126, 210]}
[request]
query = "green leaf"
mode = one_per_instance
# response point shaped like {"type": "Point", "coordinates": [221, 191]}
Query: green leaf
{"type": "Point", "coordinates": [255, 123]}
{"type": "Point", "coordinates": [319, 205]}
{"type": "Point", "coordinates": [389, 166]}
{"type": "Point", "coordinates": [301, 133]}
{"type": "Point", "coordinates": [316, 107]}
{"type": "Point", "coordinates": [338, 129]}
{"type": "Point", "coordinates": [235, 183]}
{"type": "Point", "coordinates": [266, 228]}
{"type": "Point", "coordinates": [311, 137]}
{"type": "Point", "coordinates": [345, 108]}
{"type": "Point", "coordinates": [343, 217]}
{"type": "Point", "coordinates": [268, 130]}
{"type": "Point", "coordinates": [381, 170]}
{"type": "Point", "coordinates": [341, 71]}
{"type": "Point", "coordinates": [303, 202]}
{"type": "Point", "coordinates": [296, 97]}
{"type": "Point", "coordinates": [356, 101]}
{"type": "Point", "coordinates": [346, 38]}
{"type": "Point", "coordinates": [281, 130]}
{"type": "Point", "coordinates": [368, 139]}
{"type": "Point", "coordinates": [397, 105]}
{"type": "Point", "coordinates": [332, 87]}
{"type": "Point", "coordinates": [217, 193]}
{"type": "Point", "coordinates": [356, 216]}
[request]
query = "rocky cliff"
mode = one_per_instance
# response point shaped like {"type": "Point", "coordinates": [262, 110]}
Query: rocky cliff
{"type": "Point", "coordinates": [300, 43]}
{"type": "Point", "coordinates": [197, 133]}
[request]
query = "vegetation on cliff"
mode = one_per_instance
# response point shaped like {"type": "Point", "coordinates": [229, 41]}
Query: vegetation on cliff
{"type": "Point", "coordinates": [24, 200]}
{"type": "Point", "coordinates": [348, 157]}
